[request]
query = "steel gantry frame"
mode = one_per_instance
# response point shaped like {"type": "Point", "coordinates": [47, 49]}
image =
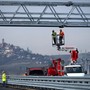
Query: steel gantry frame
{"type": "Point", "coordinates": [44, 14]}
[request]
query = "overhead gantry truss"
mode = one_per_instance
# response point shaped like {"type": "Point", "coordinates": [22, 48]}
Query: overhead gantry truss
{"type": "Point", "coordinates": [44, 14]}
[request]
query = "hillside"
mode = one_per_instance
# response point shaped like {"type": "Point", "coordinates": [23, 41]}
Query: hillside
{"type": "Point", "coordinates": [14, 59]}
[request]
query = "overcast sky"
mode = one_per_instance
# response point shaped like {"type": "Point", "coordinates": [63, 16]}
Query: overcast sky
{"type": "Point", "coordinates": [38, 39]}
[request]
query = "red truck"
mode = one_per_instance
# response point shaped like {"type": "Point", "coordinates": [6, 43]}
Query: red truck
{"type": "Point", "coordinates": [55, 69]}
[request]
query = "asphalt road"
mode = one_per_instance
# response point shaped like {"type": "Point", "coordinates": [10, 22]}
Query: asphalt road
{"type": "Point", "coordinates": [3, 88]}
{"type": "Point", "coordinates": [7, 88]}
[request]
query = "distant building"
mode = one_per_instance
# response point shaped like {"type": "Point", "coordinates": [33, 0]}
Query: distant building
{"type": "Point", "coordinates": [3, 41]}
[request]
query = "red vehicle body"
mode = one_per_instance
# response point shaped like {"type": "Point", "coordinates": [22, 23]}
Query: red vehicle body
{"type": "Point", "coordinates": [56, 69]}
{"type": "Point", "coordinates": [74, 55]}
{"type": "Point", "coordinates": [39, 71]}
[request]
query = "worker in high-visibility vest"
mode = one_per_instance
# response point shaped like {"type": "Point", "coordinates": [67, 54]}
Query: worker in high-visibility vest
{"type": "Point", "coordinates": [54, 35]}
{"type": "Point", "coordinates": [61, 36]}
{"type": "Point", "coordinates": [4, 78]}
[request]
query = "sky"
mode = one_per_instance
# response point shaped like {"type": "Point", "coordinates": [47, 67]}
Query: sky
{"type": "Point", "coordinates": [38, 39]}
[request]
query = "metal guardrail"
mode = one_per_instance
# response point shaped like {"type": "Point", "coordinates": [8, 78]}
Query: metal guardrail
{"type": "Point", "coordinates": [51, 82]}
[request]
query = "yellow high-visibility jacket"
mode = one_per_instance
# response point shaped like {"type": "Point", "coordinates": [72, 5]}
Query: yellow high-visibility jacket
{"type": "Point", "coordinates": [4, 77]}
{"type": "Point", "coordinates": [54, 34]}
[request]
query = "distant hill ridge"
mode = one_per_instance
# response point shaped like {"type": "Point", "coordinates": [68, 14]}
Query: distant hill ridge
{"type": "Point", "coordinates": [14, 59]}
{"type": "Point", "coordinates": [11, 52]}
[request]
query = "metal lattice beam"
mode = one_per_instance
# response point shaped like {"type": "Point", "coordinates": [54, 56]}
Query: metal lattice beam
{"type": "Point", "coordinates": [44, 14]}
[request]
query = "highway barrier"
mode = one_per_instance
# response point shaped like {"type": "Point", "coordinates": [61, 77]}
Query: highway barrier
{"type": "Point", "coordinates": [50, 82]}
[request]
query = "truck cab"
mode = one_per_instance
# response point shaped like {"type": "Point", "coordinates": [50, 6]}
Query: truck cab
{"type": "Point", "coordinates": [74, 70]}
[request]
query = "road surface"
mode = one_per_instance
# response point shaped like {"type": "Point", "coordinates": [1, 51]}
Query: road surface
{"type": "Point", "coordinates": [3, 88]}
